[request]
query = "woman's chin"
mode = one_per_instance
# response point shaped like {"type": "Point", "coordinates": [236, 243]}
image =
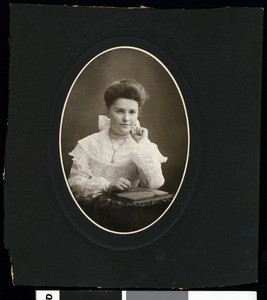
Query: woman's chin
{"type": "Point", "coordinates": [123, 131]}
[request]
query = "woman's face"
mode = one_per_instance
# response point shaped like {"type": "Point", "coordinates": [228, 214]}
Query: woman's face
{"type": "Point", "coordinates": [123, 115]}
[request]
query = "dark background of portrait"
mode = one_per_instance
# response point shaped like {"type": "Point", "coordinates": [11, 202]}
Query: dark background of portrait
{"type": "Point", "coordinates": [163, 114]}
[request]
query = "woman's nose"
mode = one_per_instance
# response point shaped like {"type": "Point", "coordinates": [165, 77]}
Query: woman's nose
{"type": "Point", "coordinates": [126, 117]}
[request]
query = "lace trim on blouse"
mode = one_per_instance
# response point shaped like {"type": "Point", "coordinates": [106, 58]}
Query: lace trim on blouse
{"type": "Point", "coordinates": [92, 170]}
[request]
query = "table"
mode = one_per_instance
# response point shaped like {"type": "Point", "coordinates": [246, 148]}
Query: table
{"type": "Point", "coordinates": [111, 213]}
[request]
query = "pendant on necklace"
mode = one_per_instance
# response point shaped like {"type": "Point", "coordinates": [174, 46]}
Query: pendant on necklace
{"type": "Point", "coordinates": [114, 151]}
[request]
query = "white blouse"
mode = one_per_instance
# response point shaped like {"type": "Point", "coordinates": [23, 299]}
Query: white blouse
{"type": "Point", "coordinates": [92, 170]}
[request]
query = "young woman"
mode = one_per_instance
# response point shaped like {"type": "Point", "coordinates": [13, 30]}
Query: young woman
{"type": "Point", "coordinates": [120, 156]}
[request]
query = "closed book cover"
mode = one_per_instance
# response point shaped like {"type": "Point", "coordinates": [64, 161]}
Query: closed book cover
{"type": "Point", "coordinates": [140, 195]}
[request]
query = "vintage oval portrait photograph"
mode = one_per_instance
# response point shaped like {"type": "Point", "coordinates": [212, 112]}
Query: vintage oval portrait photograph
{"type": "Point", "coordinates": [124, 140]}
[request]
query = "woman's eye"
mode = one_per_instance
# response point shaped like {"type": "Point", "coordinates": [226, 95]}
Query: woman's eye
{"type": "Point", "coordinates": [132, 112]}
{"type": "Point", "coordinates": [119, 111]}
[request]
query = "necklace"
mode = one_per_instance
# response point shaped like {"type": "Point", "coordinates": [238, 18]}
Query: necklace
{"type": "Point", "coordinates": [115, 150]}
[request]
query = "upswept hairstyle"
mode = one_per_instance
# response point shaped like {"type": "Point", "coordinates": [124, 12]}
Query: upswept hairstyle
{"type": "Point", "coordinates": [126, 88]}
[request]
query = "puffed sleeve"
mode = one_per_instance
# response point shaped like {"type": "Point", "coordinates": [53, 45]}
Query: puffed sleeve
{"type": "Point", "coordinates": [81, 180]}
{"type": "Point", "coordinates": [148, 159]}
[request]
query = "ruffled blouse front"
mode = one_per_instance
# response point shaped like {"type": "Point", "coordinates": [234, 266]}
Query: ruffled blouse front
{"type": "Point", "coordinates": [92, 170]}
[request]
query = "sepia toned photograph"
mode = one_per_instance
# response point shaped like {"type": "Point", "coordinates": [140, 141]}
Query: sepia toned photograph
{"type": "Point", "coordinates": [124, 139]}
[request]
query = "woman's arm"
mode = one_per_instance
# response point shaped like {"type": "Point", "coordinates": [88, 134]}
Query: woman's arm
{"type": "Point", "coordinates": [148, 159]}
{"type": "Point", "coordinates": [81, 180]}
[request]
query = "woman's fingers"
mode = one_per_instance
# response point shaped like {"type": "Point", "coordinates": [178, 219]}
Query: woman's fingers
{"type": "Point", "coordinates": [125, 184]}
{"type": "Point", "coordinates": [118, 187]}
{"type": "Point", "coordinates": [125, 181]}
{"type": "Point", "coordinates": [139, 133]}
{"type": "Point", "coordinates": [122, 184]}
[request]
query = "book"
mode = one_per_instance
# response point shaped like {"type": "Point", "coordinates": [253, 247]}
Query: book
{"type": "Point", "coordinates": [143, 195]}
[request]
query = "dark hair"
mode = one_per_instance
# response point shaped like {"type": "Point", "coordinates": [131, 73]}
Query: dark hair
{"type": "Point", "coordinates": [126, 88]}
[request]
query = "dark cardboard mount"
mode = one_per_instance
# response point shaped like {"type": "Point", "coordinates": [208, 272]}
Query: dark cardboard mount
{"type": "Point", "coordinates": [212, 231]}
{"type": "Point", "coordinates": [56, 180]}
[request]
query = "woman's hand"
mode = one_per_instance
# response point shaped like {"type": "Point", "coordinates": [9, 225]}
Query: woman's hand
{"type": "Point", "coordinates": [139, 133]}
{"type": "Point", "coordinates": [121, 184]}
